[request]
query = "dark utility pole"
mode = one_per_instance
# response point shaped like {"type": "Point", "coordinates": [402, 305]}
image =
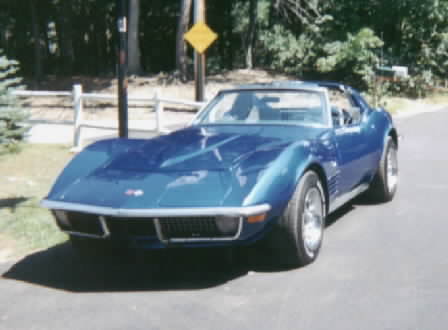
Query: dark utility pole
{"type": "Point", "coordinates": [122, 69]}
{"type": "Point", "coordinates": [199, 59]}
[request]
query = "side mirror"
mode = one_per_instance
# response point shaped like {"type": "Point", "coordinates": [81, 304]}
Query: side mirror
{"type": "Point", "coordinates": [337, 116]}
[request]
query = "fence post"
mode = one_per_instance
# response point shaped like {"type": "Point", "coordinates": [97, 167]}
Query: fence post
{"type": "Point", "coordinates": [77, 108]}
{"type": "Point", "coordinates": [159, 111]}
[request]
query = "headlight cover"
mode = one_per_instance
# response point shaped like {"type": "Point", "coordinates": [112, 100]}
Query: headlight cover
{"type": "Point", "coordinates": [227, 225]}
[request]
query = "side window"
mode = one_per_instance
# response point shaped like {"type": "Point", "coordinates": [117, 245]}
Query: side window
{"type": "Point", "coordinates": [340, 102]}
{"type": "Point", "coordinates": [357, 98]}
{"type": "Point", "coordinates": [339, 99]}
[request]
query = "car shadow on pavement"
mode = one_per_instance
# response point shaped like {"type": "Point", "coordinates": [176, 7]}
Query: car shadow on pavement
{"type": "Point", "coordinates": [340, 213]}
{"type": "Point", "coordinates": [60, 267]}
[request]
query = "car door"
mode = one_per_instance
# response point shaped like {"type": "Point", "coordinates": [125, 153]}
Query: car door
{"type": "Point", "coordinates": [352, 155]}
{"type": "Point", "coordinates": [351, 142]}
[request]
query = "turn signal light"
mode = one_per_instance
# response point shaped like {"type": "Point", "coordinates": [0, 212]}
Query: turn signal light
{"type": "Point", "coordinates": [256, 218]}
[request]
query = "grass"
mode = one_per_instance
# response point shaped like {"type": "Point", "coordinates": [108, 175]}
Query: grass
{"type": "Point", "coordinates": [26, 178]}
{"type": "Point", "coordinates": [395, 104]}
{"type": "Point", "coordinates": [438, 98]}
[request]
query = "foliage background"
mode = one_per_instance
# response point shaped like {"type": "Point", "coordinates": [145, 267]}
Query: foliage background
{"type": "Point", "coordinates": [341, 40]}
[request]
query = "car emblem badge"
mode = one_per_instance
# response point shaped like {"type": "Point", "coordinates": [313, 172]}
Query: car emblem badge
{"type": "Point", "coordinates": [135, 193]}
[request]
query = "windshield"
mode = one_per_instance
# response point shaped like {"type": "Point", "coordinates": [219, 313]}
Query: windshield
{"type": "Point", "coordinates": [266, 106]}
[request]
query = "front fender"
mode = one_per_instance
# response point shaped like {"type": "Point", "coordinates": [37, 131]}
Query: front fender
{"type": "Point", "coordinates": [277, 183]}
{"type": "Point", "coordinates": [87, 161]}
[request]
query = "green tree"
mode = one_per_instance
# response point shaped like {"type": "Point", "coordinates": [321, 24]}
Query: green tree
{"type": "Point", "coordinates": [12, 115]}
{"type": "Point", "coordinates": [356, 55]}
{"type": "Point", "coordinates": [181, 47]}
{"type": "Point", "coordinates": [356, 59]}
{"type": "Point", "coordinates": [80, 36]}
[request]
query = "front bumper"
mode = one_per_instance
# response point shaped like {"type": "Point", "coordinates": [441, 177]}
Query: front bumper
{"type": "Point", "coordinates": [171, 226]}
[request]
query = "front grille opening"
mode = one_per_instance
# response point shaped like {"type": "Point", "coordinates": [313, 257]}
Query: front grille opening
{"type": "Point", "coordinates": [85, 223]}
{"type": "Point", "coordinates": [130, 227]}
{"type": "Point", "coordinates": [168, 228]}
{"type": "Point", "coordinates": [193, 228]}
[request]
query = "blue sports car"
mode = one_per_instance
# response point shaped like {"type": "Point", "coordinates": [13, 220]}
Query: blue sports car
{"type": "Point", "coordinates": [260, 162]}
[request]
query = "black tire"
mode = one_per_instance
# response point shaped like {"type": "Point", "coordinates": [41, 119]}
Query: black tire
{"type": "Point", "coordinates": [287, 239]}
{"type": "Point", "coordinates": [382, 188]}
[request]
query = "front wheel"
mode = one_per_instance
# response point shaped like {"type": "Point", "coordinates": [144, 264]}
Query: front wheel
{"type": "Point", "coordinates": [298, 235]}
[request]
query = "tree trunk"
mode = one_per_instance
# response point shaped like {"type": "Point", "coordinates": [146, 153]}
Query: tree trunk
{"type": "Point", "coordinates": [37, 43]}
{"type": "Point", "coordinates": [65, 36]}
{"type": "Point", "coordinates": [250, 37]}
{"type": "Point", "coordinates": [102, 58]}
{"type": "Point", "coordinates": [133, 38]}
{"type": "Point", "coordinates": [181, 47]}
{"type": "Point", "coordinates": [229, 19]}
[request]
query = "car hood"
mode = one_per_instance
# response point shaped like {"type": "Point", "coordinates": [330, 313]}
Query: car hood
{"type": "Point", "coordinates": [194, 167]}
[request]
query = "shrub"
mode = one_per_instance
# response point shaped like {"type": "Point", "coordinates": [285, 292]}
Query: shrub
{"type": "Point", "coordinates": [12, 115]}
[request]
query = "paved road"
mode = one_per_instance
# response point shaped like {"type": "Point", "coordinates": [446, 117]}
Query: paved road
{"type": "Point", "coordinates": [382, 267]}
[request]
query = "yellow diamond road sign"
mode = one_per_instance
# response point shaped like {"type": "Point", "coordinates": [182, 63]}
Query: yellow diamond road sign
{"type": "Point", "coordinates": [200, 36]}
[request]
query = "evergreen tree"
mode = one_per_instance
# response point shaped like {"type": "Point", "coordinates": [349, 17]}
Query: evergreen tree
{"type": "Point", "coordinates": [12, 115]}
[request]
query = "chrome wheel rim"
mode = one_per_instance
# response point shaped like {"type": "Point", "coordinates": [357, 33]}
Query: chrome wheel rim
{"type": "Point", "coordinates": [312, 221]}
{"type": "Point", "coordinates": [392, 169]}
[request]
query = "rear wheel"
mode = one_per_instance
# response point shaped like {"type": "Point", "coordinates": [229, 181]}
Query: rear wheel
{"type": "Point", "coordinates": [384, 184]}
{"type": "Point", "coordinates": [297, 237]}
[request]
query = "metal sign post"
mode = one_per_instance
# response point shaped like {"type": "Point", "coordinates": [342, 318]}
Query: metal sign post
{"type": "Point", "coordinates": [122, 70]}
{"type": "Point", "coordinates": [199, 60]}
{"type": "Point", "coordinates": [199, 72]}
{"type": "Point", "coordinates": [200, 36]}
